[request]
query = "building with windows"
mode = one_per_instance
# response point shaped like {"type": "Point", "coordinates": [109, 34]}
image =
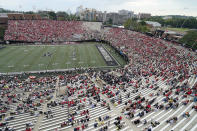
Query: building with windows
{"type": "Point", "coordinates": [127, 13]}
{"type": "Point", "coordinates": [90, 14]}
{"type": "Point", "coordinates": [143, 15]}
{"type": "Point", "coordinates": [120, 17]}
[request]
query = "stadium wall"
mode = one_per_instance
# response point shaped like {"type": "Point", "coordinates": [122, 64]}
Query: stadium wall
{"type": "Point", "coordinates": [110, 61]}
{"type": "Point", "coordinates": [94, 26]}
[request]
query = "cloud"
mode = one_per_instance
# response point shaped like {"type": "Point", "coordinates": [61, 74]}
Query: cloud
{"type": "Point", "coordinates": [155, 7]}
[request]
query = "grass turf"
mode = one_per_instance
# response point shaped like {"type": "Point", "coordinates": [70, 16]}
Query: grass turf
{"type": "Point", "coordinates": [31, 58]}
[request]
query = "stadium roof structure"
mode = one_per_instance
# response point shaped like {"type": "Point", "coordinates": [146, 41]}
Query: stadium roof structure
{"type": "Point", "coordinates": [3, 15]}
{"type": "Point", "coordinates": [153, 23]}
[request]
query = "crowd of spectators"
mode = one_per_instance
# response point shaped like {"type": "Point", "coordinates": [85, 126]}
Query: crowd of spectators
{"type": "Point", "coordinates": [82, 93]}
{"type": "Point", "coordinates": [43, 30]}
{"type": "Point", "coordinates": [23, 96]}
{"type": "Point", "coordinates": [149, 57]}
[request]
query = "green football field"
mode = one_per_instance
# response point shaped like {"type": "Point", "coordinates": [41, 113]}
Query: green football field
{"type": "Point", "coordinates": [52, 57]}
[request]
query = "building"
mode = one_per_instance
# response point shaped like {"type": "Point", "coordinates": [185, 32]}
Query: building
{"type": "Point", "coordinates": [105, 16]}
{"type": "Point", "coordinates": [4, 17]}
{"type": "Point", "coordinates": [168, 35]}
{"type": "Point", "coordinates": [126, 12]}
{"type": "Point", "coordinates": [114, 17]}
{"type": "Point", "coordinates": [21, 16]}
{"type": "Point", "coordinates": [3, 20]}
{"type": "Point", "coordinates": [120, 17]}
{"type": "Point", "coordinates": [90, 14]}
{"type": "Point", "coordinates": [79, 10]}
{"type": "Point", "coordinates": [143, 15]}
{"type": "Point", "coordinates": [153, 24]}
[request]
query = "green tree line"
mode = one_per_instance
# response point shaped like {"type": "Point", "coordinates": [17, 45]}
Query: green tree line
{"type": "Point", "coordinates": [185, 22]}
{"type": "Point", "coordinates": [2, 32]}
{"type": "Point", "coordinates": [190, 39]}
{"type": "Point", "coordinates": [60, 15]}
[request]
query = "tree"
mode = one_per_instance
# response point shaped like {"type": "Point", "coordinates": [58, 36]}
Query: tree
{"type": "Point", "coordinates": [62, 15]}
{"type": "Point", "coordinates": [110, 21]}
{"type": "Point", "coordinates": [142, 23]}
{"type": "Point", "coordinates": [29, 12]}
{"type": "Point", "coordinates": [157, 19]}
{"type": "Point", "coordinates": [74, 17]}
{"type": "Point", "coordinates": [52, 15]}
{"type": "Point", "coordinates": [132, 24]}
{"type": "Point", "coordinates": [144, 28]}
{"type": "Point", "coordinates": [176, 22]}
{"type": "Point", "coordinates": [190, 39]}
{"type": "Point", "coordinates": [127, 24]}
{"type": "Point", "coordinates": [2, 33]}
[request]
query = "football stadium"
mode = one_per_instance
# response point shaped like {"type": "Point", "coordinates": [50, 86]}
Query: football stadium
{"type": "Point", "coordinates": [69, 75]}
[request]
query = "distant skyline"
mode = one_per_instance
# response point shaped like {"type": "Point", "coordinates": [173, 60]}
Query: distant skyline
{"type": "Point", "coordinates": [155, 7]}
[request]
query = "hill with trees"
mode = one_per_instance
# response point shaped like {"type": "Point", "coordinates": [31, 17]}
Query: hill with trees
{"type": "Point", "coordinates": [176, 22]}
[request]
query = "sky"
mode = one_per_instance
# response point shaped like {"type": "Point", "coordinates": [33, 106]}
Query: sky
{"type": "Point", "coordinates": [155, 7]}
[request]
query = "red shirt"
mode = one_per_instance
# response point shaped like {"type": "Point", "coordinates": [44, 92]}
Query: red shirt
{"type": "Point", "coordinates": [120, 117]}
{"type": "Point", "coordinates": [28, 129]}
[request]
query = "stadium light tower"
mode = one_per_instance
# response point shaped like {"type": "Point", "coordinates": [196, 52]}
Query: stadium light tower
{"type": "Point", "coordinates": [184, 20]}
{"type": "Point", "coordinates": [69, 11]}
{"type": "Point", "coordinates": [19, 8]}
{"type": "Point", "coordinates": [183, 23]}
